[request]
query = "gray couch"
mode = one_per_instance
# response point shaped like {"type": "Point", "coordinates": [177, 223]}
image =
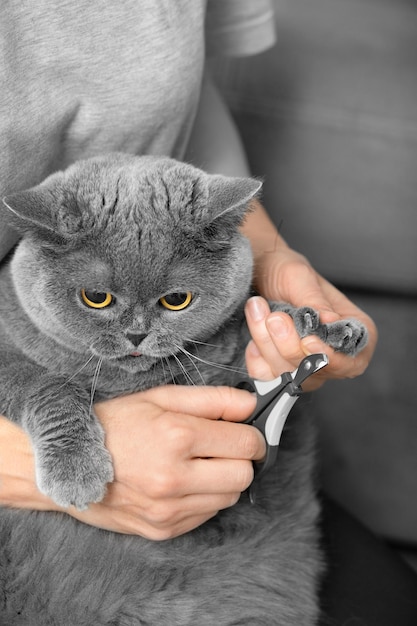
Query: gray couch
{"type": "Point", "coordinates": [329, 120]}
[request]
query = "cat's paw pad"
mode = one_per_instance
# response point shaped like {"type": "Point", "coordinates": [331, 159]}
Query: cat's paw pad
{"type": "Point", "coordinates": [346, 336]}
{"type": "Point", "coordinates": [76, 477]}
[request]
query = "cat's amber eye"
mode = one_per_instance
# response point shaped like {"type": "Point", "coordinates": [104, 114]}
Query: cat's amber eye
{"type": "Point", "coordinates": [96, 299]}
{"type": "Point", "coordinates": [176, 301]}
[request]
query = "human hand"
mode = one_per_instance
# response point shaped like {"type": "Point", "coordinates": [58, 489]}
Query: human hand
{"type": "Point", "coordinates": [284, 275]}
{"type": "Point", "coordinates": [176, 464]}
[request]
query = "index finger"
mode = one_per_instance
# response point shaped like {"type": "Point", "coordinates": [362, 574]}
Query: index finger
{"type": "Point", "coordinates": [223, 440]}
{"type": "Point", "coordinates": [225, 403]}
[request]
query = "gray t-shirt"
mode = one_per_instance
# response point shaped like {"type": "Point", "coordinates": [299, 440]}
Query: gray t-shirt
{"type": "Point", "coordinates": [79, 78]}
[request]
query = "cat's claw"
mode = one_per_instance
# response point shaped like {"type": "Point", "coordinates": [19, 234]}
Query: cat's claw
{"type": "Point", "coordinates": [74, 478]}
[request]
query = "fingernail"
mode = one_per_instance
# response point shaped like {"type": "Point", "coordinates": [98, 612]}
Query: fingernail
{"type": "Point", "coordinates": [256, 309]}
{"type": "Point", "coordinates": [277, 326]}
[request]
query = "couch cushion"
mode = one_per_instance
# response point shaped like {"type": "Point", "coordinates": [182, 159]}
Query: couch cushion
{"type": "Point", "coordinates": [329, 119]}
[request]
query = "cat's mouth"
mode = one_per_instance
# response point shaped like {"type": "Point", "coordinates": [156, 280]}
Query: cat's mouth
{"type": "Point", "coordinates": [134, 361]}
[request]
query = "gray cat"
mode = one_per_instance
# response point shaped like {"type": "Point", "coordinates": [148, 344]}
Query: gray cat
{"type": "Point", "coordinates": [132, 273]}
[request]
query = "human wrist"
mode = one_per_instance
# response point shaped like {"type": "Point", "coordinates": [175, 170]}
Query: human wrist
{"type": "Point", "coordinates": [269, 250]}
{"type": "Point", "coordinates": [261, 231]}
{"type": "Point", "coordinates": [17, 470]}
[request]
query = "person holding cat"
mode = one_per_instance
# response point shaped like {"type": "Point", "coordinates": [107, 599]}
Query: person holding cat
{"type": "Point", "coordinates": [79, 84]}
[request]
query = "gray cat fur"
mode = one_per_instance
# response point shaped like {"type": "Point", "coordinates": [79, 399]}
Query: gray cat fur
{"type": "Point", "coordinates": [141, 227]}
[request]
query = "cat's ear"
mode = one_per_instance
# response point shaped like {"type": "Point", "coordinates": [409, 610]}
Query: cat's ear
{"type": "Point", "coordinates": [229, 198]}
{"type": "Point", "coordinates": [41, 209]}
{"type": "Point", "coordinates": [29, 210]}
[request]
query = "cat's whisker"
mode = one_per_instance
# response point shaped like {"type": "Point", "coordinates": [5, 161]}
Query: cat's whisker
{"type": "Point", "coordinates": [228, 368]}
{"type": "Point", "coordinates": [203, 343]}
{"type": "Point", "coordinates": [163, 367]}
{"type": "Point", "coordinates": [187, 354]}
{"type": "Point", "coordinates": [170, 369]}
{"type": "Point", "coordinates": [94, 382]}
{"type": "Point", "coordinates": [161, 360]}
{"type": "Point", "coordinates": [184, 370]}
{"type": "Point", "coordinates": [182, 367]}
{"type": "Point", "coordinates": [79, 370]}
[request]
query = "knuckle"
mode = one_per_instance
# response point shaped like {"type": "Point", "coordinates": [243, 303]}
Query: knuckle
{"type": "Point", "coordinates": [164, 484]}
{"type": "Point", "coordinates": [226, 394]}
{"type": "Point", "coordinates": [174, 434]}
{"type": "Point", "coordinates": [161, 516]}
{"type": "Point", "coordinates": [249, 443]}
{"type": "Point", "coordinates": [223, 396]}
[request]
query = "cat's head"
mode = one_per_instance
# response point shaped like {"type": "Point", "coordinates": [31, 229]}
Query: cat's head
{"type": "Point", "coordinates": [130, 258]}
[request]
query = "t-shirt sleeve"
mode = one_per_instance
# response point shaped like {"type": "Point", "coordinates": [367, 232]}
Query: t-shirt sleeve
{"type": "Point", "coordinates": [239, 27]}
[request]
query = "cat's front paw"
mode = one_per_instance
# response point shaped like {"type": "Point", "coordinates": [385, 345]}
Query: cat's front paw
{"type": "Point", "coordinates": [76, 476]}
{"type": "Point", "coordinates": [347, 336]}
{"type": "Point", "coordinates": [306, 319]}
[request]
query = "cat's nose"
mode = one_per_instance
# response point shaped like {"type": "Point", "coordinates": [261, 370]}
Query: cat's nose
{"type": "Point", "coordinates": [136, 338]}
